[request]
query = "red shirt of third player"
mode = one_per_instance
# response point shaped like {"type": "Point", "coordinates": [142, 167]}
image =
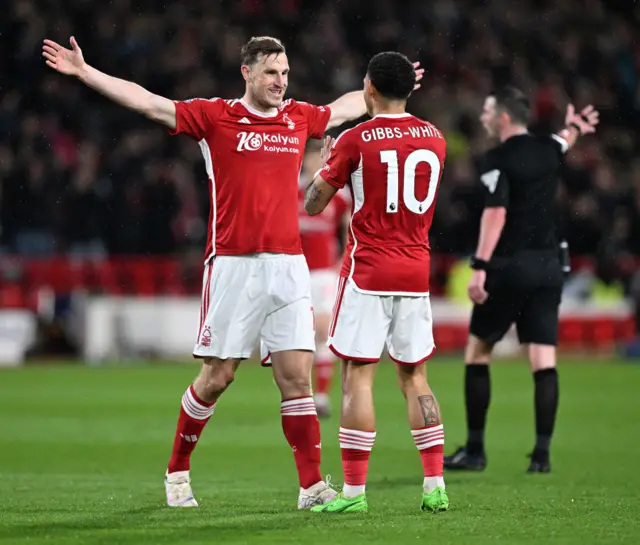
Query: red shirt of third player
{"type": "Point", "coordinates": [319, 234]}
{"type": "Point", "coordinates": [393, 165]}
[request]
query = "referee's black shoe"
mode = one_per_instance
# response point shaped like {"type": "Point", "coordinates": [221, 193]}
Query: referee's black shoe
{"type": "Point", "coordinates": [461, 459]}
{"type": "Point", "coordinates": [539, 462]}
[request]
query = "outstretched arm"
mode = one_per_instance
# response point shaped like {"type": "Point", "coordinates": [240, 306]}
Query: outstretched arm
{"type": "Point", "coordinates": [126, 93]}
{"type": "Point", "coordinates": [352, 106]}
{"type": "Point", "coordinates": [347, 108]}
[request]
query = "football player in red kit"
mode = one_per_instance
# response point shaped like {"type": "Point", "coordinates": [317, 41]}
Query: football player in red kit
{"type": "Point", "coordinates": [392, 165]}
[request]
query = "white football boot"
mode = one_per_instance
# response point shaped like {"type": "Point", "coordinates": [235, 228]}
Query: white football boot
{"type": "Point", "coordinates": [318, 494]}
{"type": "Point", "coordinates": [178, 488]}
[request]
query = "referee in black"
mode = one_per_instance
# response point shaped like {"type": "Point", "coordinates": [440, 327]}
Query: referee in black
{"type": "Point", "coordinates": [518, 274]}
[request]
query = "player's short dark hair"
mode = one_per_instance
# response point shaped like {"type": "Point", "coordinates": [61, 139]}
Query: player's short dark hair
{"type": "Point", "coordinates": [260, 45]}
{"type": "Point", "coordinates": [392, 74]}
{"type": "Point", "coordinates": [514, 102]}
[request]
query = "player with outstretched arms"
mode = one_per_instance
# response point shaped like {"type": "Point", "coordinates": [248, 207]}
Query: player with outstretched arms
{"type": "Point", "coordinates": [392, 164]}
{"type": "Point", "coordinates": [256, 281]}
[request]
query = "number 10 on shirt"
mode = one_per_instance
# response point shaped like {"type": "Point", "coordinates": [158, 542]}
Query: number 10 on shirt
{"type": "Point", "coordinates": [390, 158]}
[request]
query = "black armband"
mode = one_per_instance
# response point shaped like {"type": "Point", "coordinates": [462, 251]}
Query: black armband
{"type": "Point", "coordinates": [576, 127]}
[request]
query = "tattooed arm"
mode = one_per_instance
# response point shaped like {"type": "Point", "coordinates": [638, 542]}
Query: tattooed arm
{"type": "Point", "coordinates": [340, 159]}
{"type": "Point", "coordinates": [430, 410]}
{"type": "Point", "coordinates": [318, 195]}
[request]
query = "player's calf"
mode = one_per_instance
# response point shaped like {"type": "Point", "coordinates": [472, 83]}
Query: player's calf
{"type": "Point", "coordinates": [292, 373]}
{"type": "Point", "coordinates": [197, 406]}
{"type": "Point", "coordinates": [428, 433]}
{"type": "Point", "coordinates": [357, 436]}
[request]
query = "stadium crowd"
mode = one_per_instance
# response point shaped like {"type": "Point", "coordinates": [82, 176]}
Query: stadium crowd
{"type": "Point", "coordinates": [80, 175]}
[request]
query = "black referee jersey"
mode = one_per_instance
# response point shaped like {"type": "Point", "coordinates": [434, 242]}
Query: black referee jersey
{"type": "Point", "coordinates": [524, 278]}
{"type": "Point", "coordinates": [521, 174]}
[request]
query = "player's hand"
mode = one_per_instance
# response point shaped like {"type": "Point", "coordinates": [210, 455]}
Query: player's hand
{"type": "Point", "coordinates": [419, 75]}
{"type": "Point", "coordinates": [326, 149]}
{"type": "Point", "coordinates": [65, 61]}
{"type": "Point", "coordinates": [586, 120]}
{"type": "Point", "coordinates": [475, 289]}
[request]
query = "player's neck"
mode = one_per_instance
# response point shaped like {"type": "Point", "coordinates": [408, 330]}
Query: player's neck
{"type": "Point", "coordinates": [252, 104]}
{"type": "Point", "coordinates": [389, 109]}
{"type": "Point", "coordinates": [513, 130]}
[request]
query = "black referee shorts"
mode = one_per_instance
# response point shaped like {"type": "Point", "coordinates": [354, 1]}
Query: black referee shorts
{"type": "Point", "coordinates": [525, 290]}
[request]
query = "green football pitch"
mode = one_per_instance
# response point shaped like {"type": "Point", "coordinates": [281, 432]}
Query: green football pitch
{"type": "Point", "coordinates": [83, 453]}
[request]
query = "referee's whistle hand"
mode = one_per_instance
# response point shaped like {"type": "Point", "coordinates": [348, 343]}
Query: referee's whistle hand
{"type": "Point", "coordinates": [475, 289]}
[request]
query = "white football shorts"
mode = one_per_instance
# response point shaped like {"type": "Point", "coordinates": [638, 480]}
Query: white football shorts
{"type": "Point", "coordinates": [363, 323]}
{"type": "Point", "coordinates": [261, 297]}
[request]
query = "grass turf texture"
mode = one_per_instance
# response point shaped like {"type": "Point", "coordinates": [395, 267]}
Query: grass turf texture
{"type": "Point", "coordinates": [83, 452]}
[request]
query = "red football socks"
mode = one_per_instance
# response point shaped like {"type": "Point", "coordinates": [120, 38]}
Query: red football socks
{"type": "Point", "coordinates": [355, 447]}
{"type": "Point", "coordinates": [302, 430]}
{"type": "Point", "coordinates": [194, 415]}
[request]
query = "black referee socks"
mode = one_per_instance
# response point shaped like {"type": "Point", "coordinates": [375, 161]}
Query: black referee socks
{"type": "Point", "coordinates": [477, 392]}
{"type": "Point", "coordinates": [546, 406]}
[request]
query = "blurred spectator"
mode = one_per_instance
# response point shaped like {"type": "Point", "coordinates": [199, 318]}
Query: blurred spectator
{"type": "Point", "coordinates": [80, 175]}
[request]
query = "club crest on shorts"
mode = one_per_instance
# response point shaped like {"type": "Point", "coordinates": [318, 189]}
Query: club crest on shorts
{"type": "Point", "coordinates": [205, 337]}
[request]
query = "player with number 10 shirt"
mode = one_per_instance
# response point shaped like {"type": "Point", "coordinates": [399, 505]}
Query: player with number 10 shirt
{"type": "Point", "coordinates": [392, 164]}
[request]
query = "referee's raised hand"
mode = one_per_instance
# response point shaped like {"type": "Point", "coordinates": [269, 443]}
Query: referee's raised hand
{"type": "Point", "coordinates": [585, 121]}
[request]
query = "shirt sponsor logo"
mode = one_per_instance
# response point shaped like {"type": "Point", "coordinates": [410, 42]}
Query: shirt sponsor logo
{"type": "Point", "coordinates": [276, 143]}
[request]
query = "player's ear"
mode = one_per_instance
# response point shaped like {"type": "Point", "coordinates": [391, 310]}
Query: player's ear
{"type": "Point", "coordinates": [246, 71]}
{"type": "Point", "coordinates": [369, 89]}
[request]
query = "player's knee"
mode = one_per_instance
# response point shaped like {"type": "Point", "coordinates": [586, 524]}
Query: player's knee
{"type": "Point", "coordinates": [216, 376]}
{"type": "Point", "coordinates": [477, 351]}
{"type": "Point", "coordinates": [293, 381]}
{"type": "Point", "coordinates": [356, 377]}
{"type": "Point", "coordinates": [541, 357]}
{"type": "Point", "coordinates": [292, 372]}
{"type": "Point", "coordinates": [412, 378]}
{"type": "Point", "coordinates": [294, 385]}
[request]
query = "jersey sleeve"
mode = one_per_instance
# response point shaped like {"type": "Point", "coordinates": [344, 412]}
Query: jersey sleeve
{"type": "Point", "coordinates": [495, 182]}
{"type": "Point", "coordinates": [196, 117]}
{"type": "Point", "coordinates": [560, 144]}
{"type": "Point", "coordinates": [317, 118]}
{"type": "Point", "coordinates": [342, 162]}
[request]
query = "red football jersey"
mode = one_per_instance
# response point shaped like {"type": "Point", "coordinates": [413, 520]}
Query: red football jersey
{"type": "Point", "coordinates": [393, 165]}
{"type": "Point", "coordinates": [253, 161]}
{"type": "Point", "coordinates": [320, 233]}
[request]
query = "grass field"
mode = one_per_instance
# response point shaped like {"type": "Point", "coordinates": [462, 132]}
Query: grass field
{"type": "Point", "coordinates": [83, 452]}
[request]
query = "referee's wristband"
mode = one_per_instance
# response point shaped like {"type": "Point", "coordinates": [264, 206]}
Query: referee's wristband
{"type": "Point", "coordinates": [478, 264]}
{"type": "Point", "coordinates": [576, 127]}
